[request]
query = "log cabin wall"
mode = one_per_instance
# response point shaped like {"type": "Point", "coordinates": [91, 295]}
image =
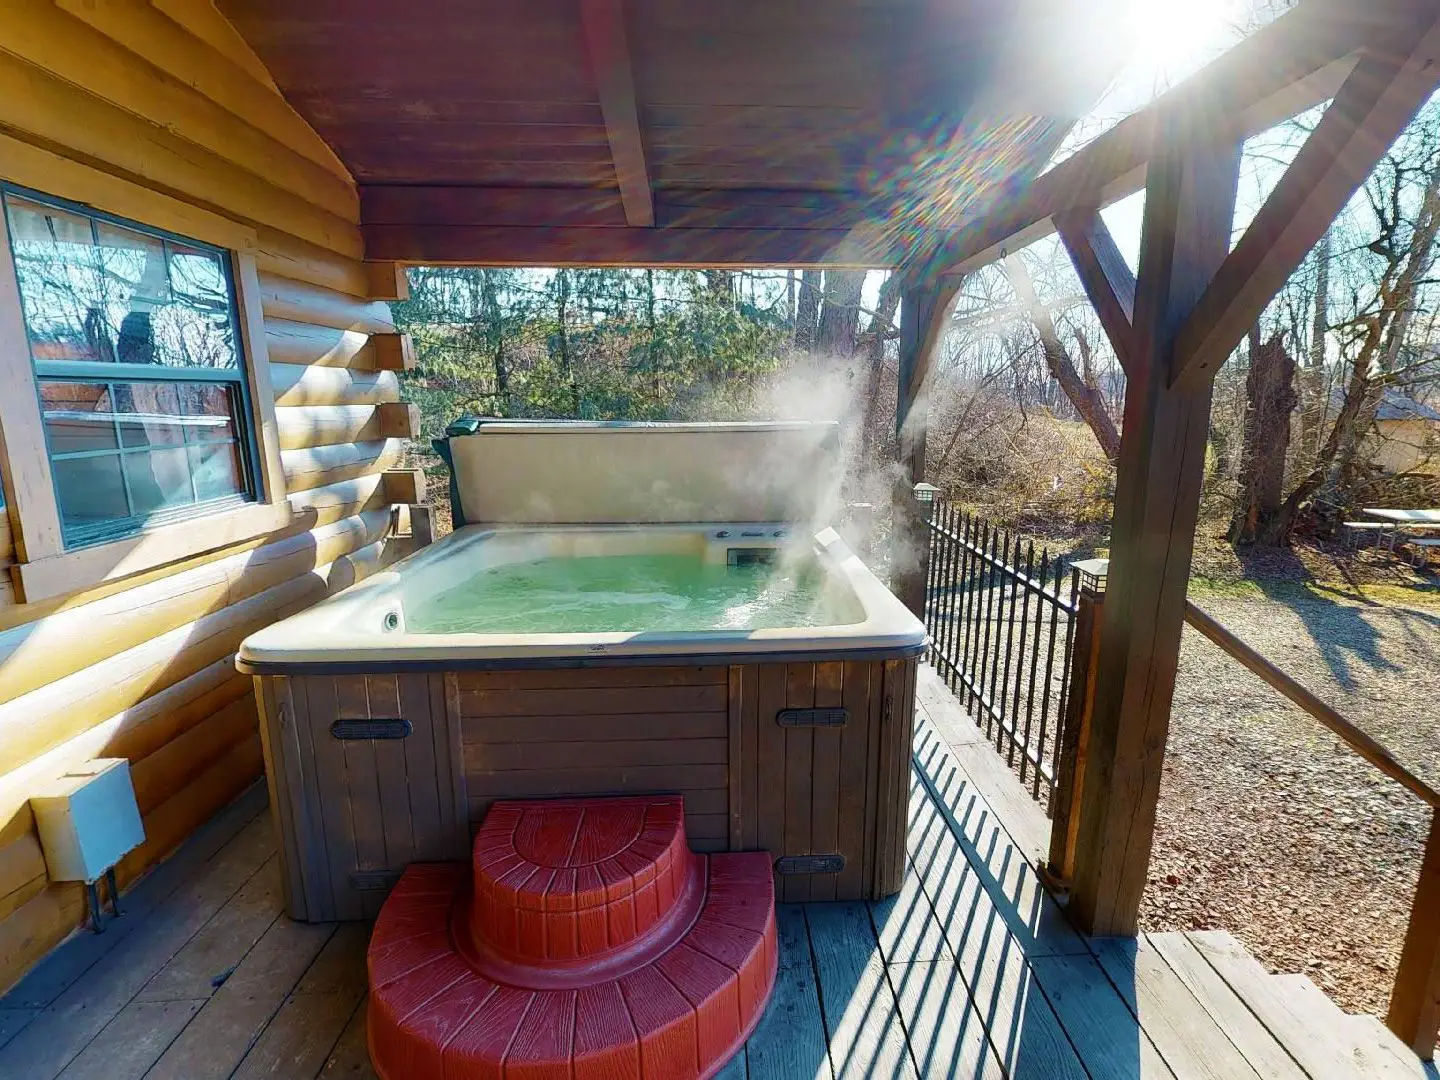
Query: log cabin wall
{"type": "Point", "coordinates": [161, 114]}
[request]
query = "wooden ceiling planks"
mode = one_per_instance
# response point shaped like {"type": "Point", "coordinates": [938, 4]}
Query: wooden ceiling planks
{"type": "Point", "coordinates": [858, 103]}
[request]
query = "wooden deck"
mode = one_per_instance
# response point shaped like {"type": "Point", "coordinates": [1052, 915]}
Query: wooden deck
{"type": "Point", "coordinates": [972, 971]}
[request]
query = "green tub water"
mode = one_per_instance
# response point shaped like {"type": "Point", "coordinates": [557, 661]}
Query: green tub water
{"type": "Point", "coordinates": [632, 593]}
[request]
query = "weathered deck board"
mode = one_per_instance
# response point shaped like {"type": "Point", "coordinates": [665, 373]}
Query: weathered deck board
{"type": "Point", "coordinates": [862, 1019]}
{"type": "Point", "coordinates": [1260, 1048]}
{"type": "Point", "coordinates": [970, 972]}
{"type": "Point", "coordinates": [1100, 1025]}
{"type": "Point", "coordinates": [60, 970]}
{"type": "Point", "coordinates": [789, 1041]}
{"type": "Point", "coordinates": [77, 1015]}
{"type": "Point", "coordinates": [1188, 1038]}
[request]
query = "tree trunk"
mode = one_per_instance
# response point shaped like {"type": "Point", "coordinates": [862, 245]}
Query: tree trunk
{"type": "Point", "coordinates": [1403, 301]}
{"type": "Point", "coordinates": [807, 311]}
{"type": "Point", "coordinates": [1088, 401]}
{"type": "Point", "coordinates": [881, 323]}
{"type": "Point", "coordinates": [1315, 405]}
{"type": "Point", "coordinates": [652, 356]}
{"type": "Point", "coordinates": [490, 302]}
{"type": "Point", "coordinates": [567, 363]}
{"type": "Point", "coordinates": [721, 284]}
{"type": "Point", "coordinates": [840, 317]}
{"type": "Point", "coordinates": [1271, 398]}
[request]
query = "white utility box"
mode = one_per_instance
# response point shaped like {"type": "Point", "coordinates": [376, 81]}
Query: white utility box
{"type": "Point", "coordinates": [87, 819]}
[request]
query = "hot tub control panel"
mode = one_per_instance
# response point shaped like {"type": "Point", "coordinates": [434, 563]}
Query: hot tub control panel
{"type": "Point", "coordinates": [747, 545]}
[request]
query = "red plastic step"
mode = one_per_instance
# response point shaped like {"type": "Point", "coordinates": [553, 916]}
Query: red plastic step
{"type": "Point", "coordinates": [567, 879]}
{"type": "Point", "coordinates": [672, 1000]}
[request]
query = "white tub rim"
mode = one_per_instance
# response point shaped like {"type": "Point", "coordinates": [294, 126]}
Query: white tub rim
{"type": "Point", "coordinates": [887, 630]}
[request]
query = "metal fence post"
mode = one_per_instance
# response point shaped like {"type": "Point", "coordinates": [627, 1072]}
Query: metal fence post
{"type": "Point", "coordinates": [909, 571]}
{"type": "Point", "coordinates": [1075, 724]}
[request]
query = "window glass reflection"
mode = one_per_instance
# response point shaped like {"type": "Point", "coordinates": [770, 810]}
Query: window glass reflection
{"type": "Point", "coordinates": [163, 437]}
{"type": "Point", "coordinates": [126, 453]}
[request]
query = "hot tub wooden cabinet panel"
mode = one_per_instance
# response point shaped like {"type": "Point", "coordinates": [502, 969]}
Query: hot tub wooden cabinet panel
{"type": "Point", "coordinates": [353, 812]}
{"type": "Point", "coordinates": [808, 761]}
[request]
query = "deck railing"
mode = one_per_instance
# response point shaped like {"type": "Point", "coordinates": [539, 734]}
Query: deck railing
{"type": "Point", "coordinates": [1001, 618]}
{"type": "Point", "coordinates": [1017, 639]}
{"type": "Point", "coordinates": [1414, 1013]}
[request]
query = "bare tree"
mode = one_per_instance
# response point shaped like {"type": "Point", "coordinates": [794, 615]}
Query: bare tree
{"type": "Point", "coordinates": [1082, 393]}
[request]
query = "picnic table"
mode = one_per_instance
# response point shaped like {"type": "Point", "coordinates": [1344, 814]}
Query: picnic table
{"type": "Point", "coordinates": [1424, 519]}
{"type": "Point", "coordinates": [1398, 525]}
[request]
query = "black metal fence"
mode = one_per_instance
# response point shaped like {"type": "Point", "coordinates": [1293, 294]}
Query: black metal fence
{"type": "Point", "coordinates": [1001, 619]}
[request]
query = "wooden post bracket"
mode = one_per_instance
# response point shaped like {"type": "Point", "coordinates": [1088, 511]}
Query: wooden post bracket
{"type": "Point", "coordinates": [1106, 278]}
{"type": "Point", "coordinates": [1375, 104]}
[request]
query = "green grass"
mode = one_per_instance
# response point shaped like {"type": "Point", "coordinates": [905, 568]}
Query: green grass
{"type": "Point", "coordinates": [1229, 588]}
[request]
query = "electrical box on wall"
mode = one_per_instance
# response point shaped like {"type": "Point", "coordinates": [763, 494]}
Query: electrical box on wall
{"type": "Point", "coordinates": [87, 819]}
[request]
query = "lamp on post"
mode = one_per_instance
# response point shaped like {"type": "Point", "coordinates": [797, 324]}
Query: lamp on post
{"type": "Point", "coordinates": [1093, 575]}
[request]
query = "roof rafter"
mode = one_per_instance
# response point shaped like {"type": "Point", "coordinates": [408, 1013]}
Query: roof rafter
{"type": "Point", "coordinates": [1293, 64]}
{"type": "Point", "coordinates": [605, 39]}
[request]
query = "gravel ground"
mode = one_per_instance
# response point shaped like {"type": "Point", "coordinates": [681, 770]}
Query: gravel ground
{"type": "Point", "coordinates": [1269, 827]}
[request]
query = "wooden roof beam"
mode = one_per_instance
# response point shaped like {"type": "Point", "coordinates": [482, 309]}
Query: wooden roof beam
{"type": "Point", "coordinates": [604, 26]}
{"type": "Point", "coordinates": [561, 245]}
{"type": "Point", "coordinates": [1372, 109]}
{"type": "Point", "coordinates": [1293, 64]}
{"type": "Point", "coordinates": [1106, 278]}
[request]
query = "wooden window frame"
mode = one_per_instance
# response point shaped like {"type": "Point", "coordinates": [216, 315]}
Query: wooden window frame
{"type": "Point", "coordinates": [43, 567]}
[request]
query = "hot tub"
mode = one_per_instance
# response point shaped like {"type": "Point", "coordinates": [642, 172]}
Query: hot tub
{"type": "Point", "coordinates": [757, 668]}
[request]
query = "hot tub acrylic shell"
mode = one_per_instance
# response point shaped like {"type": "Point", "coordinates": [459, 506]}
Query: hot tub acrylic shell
{"type": "Point", "coordinates": [384, 747]}
{"type": "Point", "coordinates": [365, 626]}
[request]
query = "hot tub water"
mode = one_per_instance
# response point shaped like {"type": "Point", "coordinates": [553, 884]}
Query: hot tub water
{"type": "Point", "coordinates": [651, 593]}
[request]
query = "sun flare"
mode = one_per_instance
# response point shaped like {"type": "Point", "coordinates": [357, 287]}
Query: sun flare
{"type": "Point", "coordinates": [1169, 39]}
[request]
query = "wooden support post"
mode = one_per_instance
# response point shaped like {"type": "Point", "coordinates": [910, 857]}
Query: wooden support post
{"type": "Point", "coordinates": [1189, 207]}
{"type": "Point", "coordinates": [1415, 1002]}
{"type": "Point", "coordinates": [1075, 737]}
{"type": "Point", "coordinates": [923, 313]}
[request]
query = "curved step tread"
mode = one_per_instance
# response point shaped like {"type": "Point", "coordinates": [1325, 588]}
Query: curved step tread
{"type": "Point", "coordinates": [566, 879]}
{"type": "Point", "coordinates": [682, 1015]}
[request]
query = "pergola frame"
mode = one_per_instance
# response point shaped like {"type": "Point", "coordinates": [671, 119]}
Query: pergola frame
{"type": "Point", "coordinates": [1172, 325]}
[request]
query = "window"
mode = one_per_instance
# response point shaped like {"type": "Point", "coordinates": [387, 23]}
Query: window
{"type": "Point", "coordinates": [136, 351]}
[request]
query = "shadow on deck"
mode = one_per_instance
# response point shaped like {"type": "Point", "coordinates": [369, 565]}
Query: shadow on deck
{"type": "Point", "coordinates": [971, 971]}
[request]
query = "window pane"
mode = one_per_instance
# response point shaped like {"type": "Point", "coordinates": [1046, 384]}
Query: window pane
{"type": "Point", "coordinates": [136, 286]}
{"type": "Point", "coordinates": [78, 417]}
{"type": "Point", "coordinates": [149, 414]}
{"type": "Point", "coordinates": [126, 452]}
{"type": "Point", "coordinates": [196, 329]}
{"type": "Point", "coordinates": [216, 469]}
{"type": "Point", "coordinates": [159, 480]}
{"type": "Point", "coordinates": [60, 279]}
{"type": "Point", "coordinates": [92, 495]}
{"type": "Point", "coordinates": [209, 411]}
